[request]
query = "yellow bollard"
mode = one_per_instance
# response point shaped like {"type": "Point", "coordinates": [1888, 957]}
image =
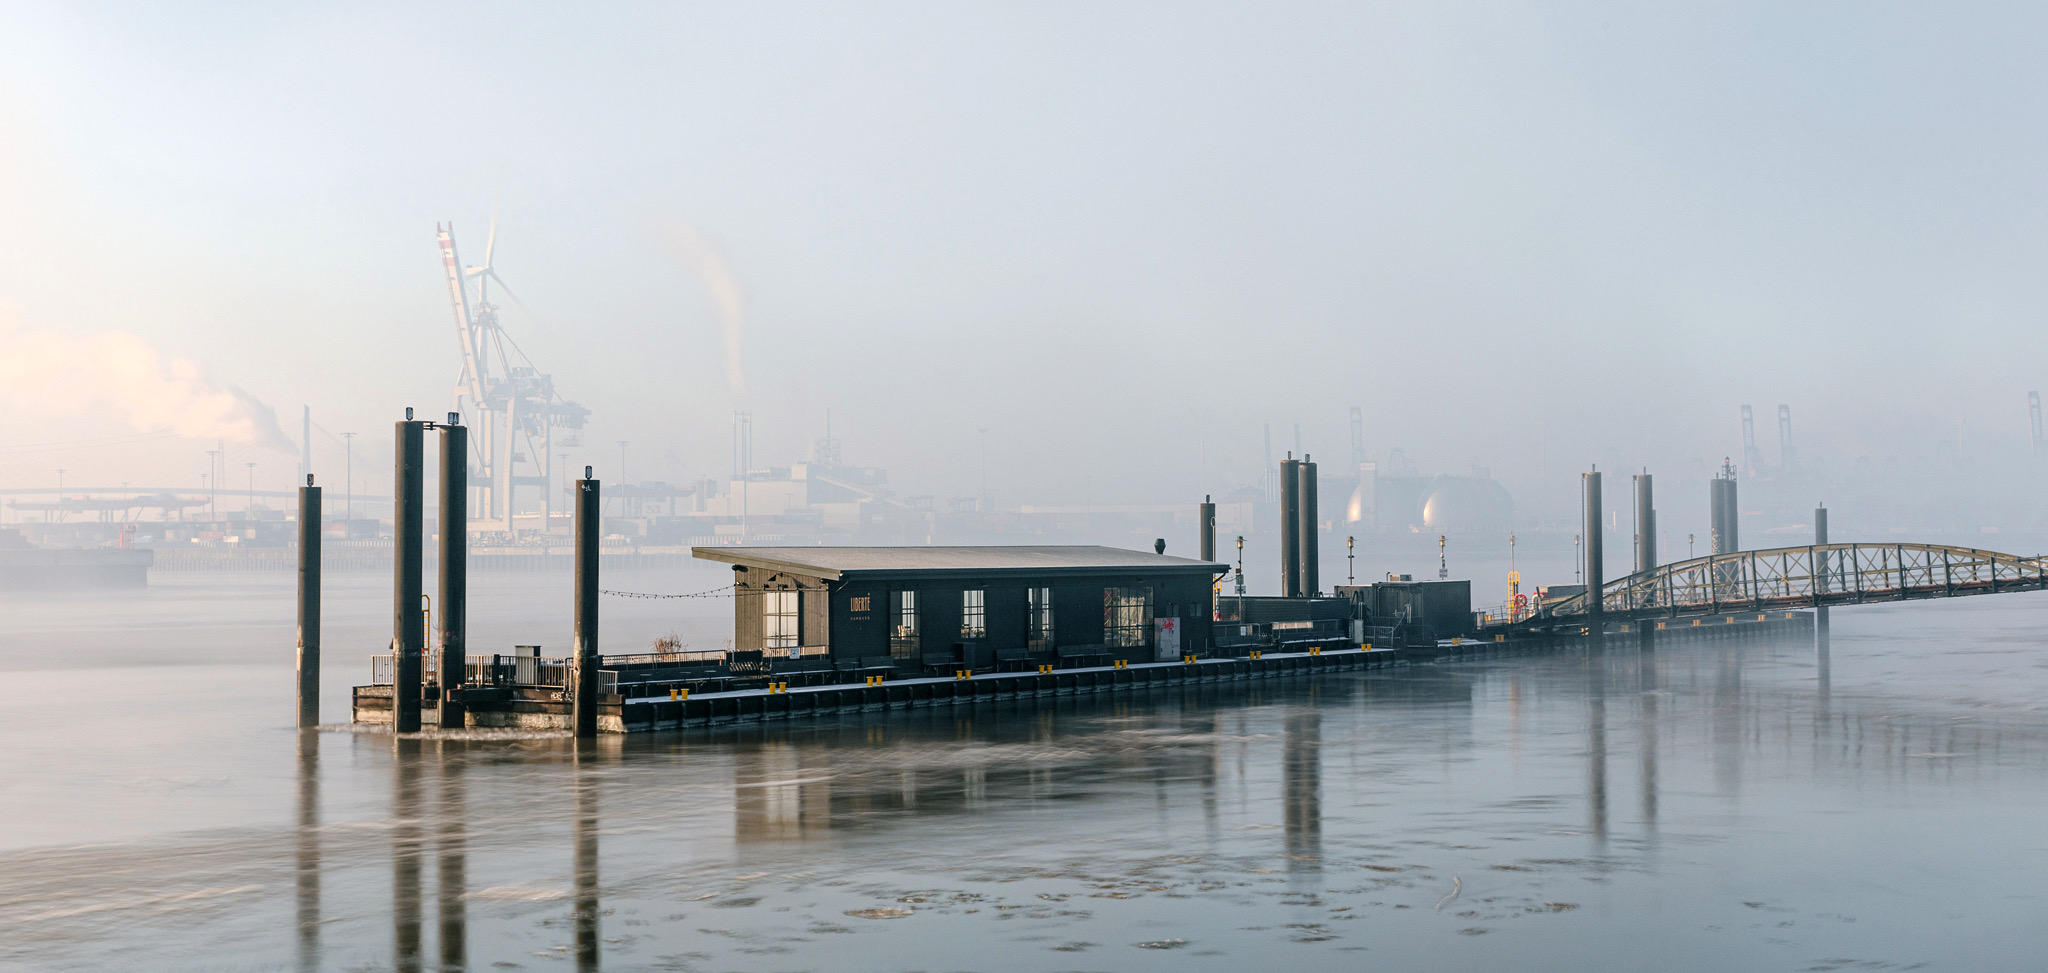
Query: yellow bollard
{"type": "Point", "coordinates": [686, 694]}
{"type": "Point", "coordinates": [1457, 640]}
{"type": "Point", "coordinates": [672, 694]}
{"type": "Point", "coordinates": [1500, 638]}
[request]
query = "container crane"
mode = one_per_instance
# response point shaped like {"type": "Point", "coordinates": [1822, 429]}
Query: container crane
{"type": "Point", "coordinates": [514, 406]}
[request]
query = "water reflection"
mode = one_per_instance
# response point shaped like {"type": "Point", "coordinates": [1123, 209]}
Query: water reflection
{"type": "Point", "coordinates": [307, 884]}
{"type": "Point", "coordinates": [1228, 787]}
{"type": "Point", "coordinates": [586, 916]}
{"type": "Point", "coordinates": [1301, 789]}
{"type": "Point", "coordinates": [1596, 740]}
{"type": "Point", "coordinates": [406, 848]}
{"type": "Point", "coordinates": [451, 845]}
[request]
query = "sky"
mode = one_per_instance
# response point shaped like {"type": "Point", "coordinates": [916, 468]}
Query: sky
{"type": "Point", "coordinates": [1120, 238]}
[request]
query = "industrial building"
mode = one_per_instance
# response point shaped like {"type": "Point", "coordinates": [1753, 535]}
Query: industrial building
{"type": "Point", "coordinates": [917, 608]}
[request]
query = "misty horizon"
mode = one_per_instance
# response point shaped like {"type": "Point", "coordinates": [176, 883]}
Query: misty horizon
{"type": "Point", "coordinates": [1527, 240]}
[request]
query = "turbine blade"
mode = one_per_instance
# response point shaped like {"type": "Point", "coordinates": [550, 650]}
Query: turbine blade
{"type": "Point", "coordinates": [491, 242]}
{"type": "Point", "coordinates": [508, 291]}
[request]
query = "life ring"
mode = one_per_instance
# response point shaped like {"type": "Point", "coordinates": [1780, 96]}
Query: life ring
{"type": "Point", "coordinates": [1521, 600]}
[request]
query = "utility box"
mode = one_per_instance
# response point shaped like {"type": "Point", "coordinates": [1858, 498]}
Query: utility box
{"type": "Point", "coordinates": [1424, 609]}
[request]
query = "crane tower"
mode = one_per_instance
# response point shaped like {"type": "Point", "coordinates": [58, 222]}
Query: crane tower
{"type": "Point", "coordinates": [514, 406]}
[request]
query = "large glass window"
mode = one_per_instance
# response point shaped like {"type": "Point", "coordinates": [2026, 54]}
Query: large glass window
{"type": "Point", "coordinates": [973, 614]}
{"type": "Point", "coordinates": [1038, 619]}
{"type": "Point", "coordinates": [903, 624]}
{"type": "Point", "coordinates": [781, 626]}
{"type": "Point", "coordinates": [1127, 617]}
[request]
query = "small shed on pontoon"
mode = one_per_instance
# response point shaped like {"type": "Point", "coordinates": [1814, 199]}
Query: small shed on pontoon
{"type": "Point", "coordinates": [975, 607]}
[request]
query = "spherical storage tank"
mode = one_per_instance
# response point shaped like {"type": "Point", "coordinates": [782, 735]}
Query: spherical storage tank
{"type": "Point", "coordinates": [1466, 505]}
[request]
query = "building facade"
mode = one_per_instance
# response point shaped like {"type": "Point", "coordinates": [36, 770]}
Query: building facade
{"type": "Point", "coordinates": [975, 607]}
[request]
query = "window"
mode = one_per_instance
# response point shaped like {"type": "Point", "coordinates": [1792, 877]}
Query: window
{"type": "Point", "coordinates": [1038, 619]}
{"type": "Point", "coordinates": [1127, 617]}
{"type": "Point", "coordinates": [973, 614]}
{"type": "Point", "coordinates": [780, 623]}
{"type": "Point", "coordinates": [903, 624]}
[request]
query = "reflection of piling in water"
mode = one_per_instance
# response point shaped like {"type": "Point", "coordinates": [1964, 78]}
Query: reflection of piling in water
{"type": "Point", "coordinates": [452, 848]}
{"type": "Point", "coordinates": [308, 885]}
{"type": "Point", "coordinates": [1301, 770]}
{"type": "Point", "coordinates": [1596, 749]}
{"type": "Point", "coordinates": [586, 866]}
{"type": "Point", "coordinates": [1648, 683]}
{"type": "Point", "coordinates": [405, 857]}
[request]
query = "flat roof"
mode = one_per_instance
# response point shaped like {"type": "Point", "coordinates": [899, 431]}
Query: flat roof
{"type": "Point", "coordinates": [838, 562]}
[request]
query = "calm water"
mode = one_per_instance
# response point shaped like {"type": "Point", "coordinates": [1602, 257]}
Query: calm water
{"type": "Point", "coordinates": [1705, 808]}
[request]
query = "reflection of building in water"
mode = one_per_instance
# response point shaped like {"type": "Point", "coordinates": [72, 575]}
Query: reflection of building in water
{"type": "Point", "coordinates": [1301, 771]}
{"type": "Point", "coordinates": [775, 797]}
{"type": "Point", "coordinates": [935, 764]}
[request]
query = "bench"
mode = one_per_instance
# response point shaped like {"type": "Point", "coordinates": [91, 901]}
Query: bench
{"type": "Point", "coordinates": [1071, 656]}
{"type": "Point", "coordinates": [1018, 658]}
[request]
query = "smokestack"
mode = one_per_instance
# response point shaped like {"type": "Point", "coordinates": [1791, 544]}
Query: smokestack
{"type": "Point", "coordinates": [408, 635]}
{"type": "Point", "coordinates": [1208, 516]}
{"type": "Point", "coordinates": [586, 661]}
{"type": "Point", "coordinates": [1310, 542]}
{"type": "Point", "coordinates": [454, 569]}
{"type": "Point", "coordinates": [1596, 576]}
{"type": "Point", "coordinates": [309, 604]}
{"type": "Point", "coordinates": [1290, 527]}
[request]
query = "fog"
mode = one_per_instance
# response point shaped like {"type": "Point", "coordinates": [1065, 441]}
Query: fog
{"type": "Point", "coordinates": [1121, 240]}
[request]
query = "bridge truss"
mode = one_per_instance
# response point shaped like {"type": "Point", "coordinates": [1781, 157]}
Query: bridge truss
{"type": "Point", "coordinates": [1814, 576]}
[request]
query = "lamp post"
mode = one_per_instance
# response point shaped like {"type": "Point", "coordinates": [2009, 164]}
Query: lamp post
{"type": "Point", "coordinates": [348, 480]}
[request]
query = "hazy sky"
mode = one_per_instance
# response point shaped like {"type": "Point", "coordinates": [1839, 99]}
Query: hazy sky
{"type": "Point", "coordinates": [1117, 237]}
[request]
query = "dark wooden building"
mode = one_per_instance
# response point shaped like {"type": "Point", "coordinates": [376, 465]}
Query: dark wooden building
{"type": "Point", "coordinates": [971, 607]}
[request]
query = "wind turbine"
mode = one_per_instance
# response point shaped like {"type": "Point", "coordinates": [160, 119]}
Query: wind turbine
{"type": "Point", "coordinates": [513, 401]}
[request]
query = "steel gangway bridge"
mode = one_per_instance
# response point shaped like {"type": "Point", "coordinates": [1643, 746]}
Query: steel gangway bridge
{"type": "Point", "coordinates": [1813, 576]}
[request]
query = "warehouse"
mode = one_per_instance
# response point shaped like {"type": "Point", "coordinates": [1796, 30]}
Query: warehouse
{"type": "Point", "coordinates": [922, 608]}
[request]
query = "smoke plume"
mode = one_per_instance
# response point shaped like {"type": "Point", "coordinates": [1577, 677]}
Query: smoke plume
{"type": "Point", "coordinates": [54, 374]}
{"type": "Point", "coordinates": [704, 258]}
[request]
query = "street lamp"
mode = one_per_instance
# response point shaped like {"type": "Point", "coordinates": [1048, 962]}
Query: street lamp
{"type": "Point", "coordinates": [348, 481]}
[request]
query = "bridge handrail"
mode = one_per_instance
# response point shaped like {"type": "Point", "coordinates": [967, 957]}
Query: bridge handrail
{"type": "Point", "coordinates": [1814, 572]}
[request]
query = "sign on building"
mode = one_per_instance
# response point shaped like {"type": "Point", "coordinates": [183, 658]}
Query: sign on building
{"type": "Point", "coordinates": [1166, 636]}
